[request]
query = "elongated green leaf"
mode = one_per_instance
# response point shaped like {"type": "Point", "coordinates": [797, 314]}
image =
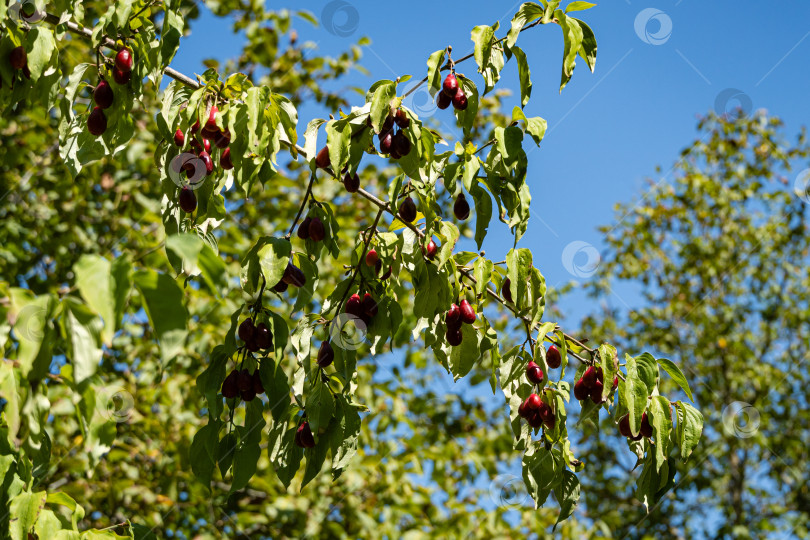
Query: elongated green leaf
{"type": "Point", "coordinates": [527, 13]}
{"type": "Point", "coordinates": [635, 394]}
{"type": "Point", "coordinates": [690, 427]}
{"type": "Point", "coordinates": [165, 306]}
{"type": "Point", "coordinates": [23, 513]}
{"type": "Point", "coordinates": [524, 74]}
{"type": "Point", "coordinates": [83, 329]}
{"type": "Point", "coordinates": [662, 428]}
{"type": "Point", "coordinates": [677, 375]}
{"type": "Point", "coordinates": [434, 76]}
{"type": "Point", "coordinates": [567, 494]}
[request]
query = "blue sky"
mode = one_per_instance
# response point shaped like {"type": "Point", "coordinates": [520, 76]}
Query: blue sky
{"type": "Point", "coordinates": [608, 130]}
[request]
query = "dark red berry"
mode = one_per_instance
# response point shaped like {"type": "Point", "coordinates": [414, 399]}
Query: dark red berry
{"type": "Point", "coordinates": [407, 210]}
{"type": "Point", "coordinates": [534, 373]}
{"type": "Point", "coordinates": [18, 57]}
{"type": "Point", "coordinates": [123, 60]}
{"type": "Point", "coordinates": [372, 258]}
{"type": "Point", "coordinates": [467, 312]}
{"type": "Point", "coordinates": [317, 232]}
{"type": "Point", "coordinates": [506, 290]}
{"type": "Point", "coordinates": [553, 358]}
{"type": "Point", "coordinates": [646, 427]}
{"type": "Point", "coordinates": [351, 182]}
{"type": "Point", "coordinates": [103, 95]}
{"type": "Point", "coordinates": [386, 142]}
{"type": "Point", "coordinates": [207, 161]}
{"type": "Point", "coordinates": [454, 336]}
{"type": "Point", "coordinates": [223, 139]}
{"type": "Point", "coordinates": [258, 387]}
{"type": "Point", "coordinates": [369, 306]}
{"type": "Point", "coordinates": [244, 381]}
{"type": "Point", "coordinates": [354, 306]}
{"type": "Point", "coordinates": [294, 276]}
{"type": "Point", "coordinates": [303, 437]}
{"type": "Point", "coordinates": [461, 208]}
{"type": "Point", "coordinates": [443, 101]}
{"type": "Point", "coordinates": [187, 200]}
{"type": "Point", "coordinates": [179, 138]}
{"type": "Point", "coordinates": [211, 123]}
{"type": "Point", "coordinates": [121, 77]}
{"type": "Point", "coordinates": [533, 402]}
{"type": "Point", "coordinates": [246, 330]}
{"type": "Point", "coordinates": [402, 120]}
{"type": "Point", "coordinates": [303, 228]}
{"type": "Point", "coordinates": [280, 287]}
{"type": "Point", "coordinates": [589, 378]}
{"type": "Point", "coordinates": [97, 122]}
{"type": "Point", "coordinates": [225, 160]}
{"type": "Point", "coordinates": [326, 355]}
{"type": "Point", "coordinates": [624, 426]}
{"type": "Point", "coordinates": [460, 100]}
{"type": "Point", "coordinates": [596, 392]}
{"type": "Point", "coordinates": [581, 391]}
{"type": "Point", "coordinates": [322, 159]}
{"type": "Point", "coordinates": [450, 85]}
{"type": "Point", "coordinates": [453, 316]}
{"type": "Point", "coordinates": [402, 145]}
{"type": "Point", "coordinates": [263, 337]}
{"type": "Point", "coordinates": [230, 388]}
{"type": "Point", "coordinates": [431, 250]}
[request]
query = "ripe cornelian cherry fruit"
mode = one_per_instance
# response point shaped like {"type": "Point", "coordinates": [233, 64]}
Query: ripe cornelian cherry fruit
{"type": "Point", "coordinates": [303, 229]}
{"type": "Point", "coordinates": [506, 290]}
{"type": "Point", "coordinates": [322, 159]}
{"type": "Point", "coordinates": [97, 122]}
{"type": "Point", "coordinates": [581, 391]}
{"type": "Point", "coordinates": [317, 232]}
{"type": "Point", "coordinates": [454, 337]}
{"type": "Point", "coordinates": [179, 138]}
{"type": "Point", "coordinates": [460, 100]}
{"type": "Point", "coordinates": [372, 257]}
{"type": "Point", "coordinates": [386, 142]}
{"type": "Point", "coordinates": [450, 85]}
{"type": "Point", "coordinates": [553, 358]}
{"type": "Point", "coordinates": [326, 355]}
{"type": "Point", "coordinates": [443, 101]}
{"type": "Point", "coordinates": [294, 276]}
{"type": "Point", "coordinates": [123, 60]}
{"type": "Point", "coordinates": [430, 250]}
{"type": "Point", "coordinates": [354, 306]}
{"type": "Point", "coordinates": [407, 210]}
{"type": "Point", "coordinates": [303, 436]}
{"type": "Point", "coordinates": [230, 389]}
{"type": "Point", "coordinates": [225, 160]}
{"type": "Point", "coordinates": [121, 77]}
{"type": "Point", "coordinates": [453, 317]}
{"type": "Point", "coordinates": [246, 330]}
{"type": "Point", "coordinates": [18, 57]}
{"type": "Point", "coordinates": [461, 208]}
{"type": "Point", "coordinates": [351, 182]}
{"type": "Point", "coordinates": [402, 120]}
{"type": "Point", "coordinates": [103, 95]}
{"type": "Point", "coordinates": [211, 123]}
{"type": "Point", "coordinates": [467, 312]}
{"type": "Point", "coordinates": [534, 373]}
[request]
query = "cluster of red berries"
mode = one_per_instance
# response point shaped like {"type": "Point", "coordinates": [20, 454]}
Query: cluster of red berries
{"type": "Point", "coordinates": [202, 148]}
{"type": "Point", "coordinates": [537, 412]}
{"type": "Point", "coordinates": [312, 228]}
{"type": "Point", "coordinates": [292, 276]}
{"type": "Point", "coordinates": [455, 317]}
{"type": "Point", "coordinates": [591, 384]}
{"type": "Point", "coordinates": [303, 436]}
{"type": "Point", "coordinates": [257, 337]}
{"type": "Point", "coordinates": [240, 382]}
{"type": "Point", "coordinates": [451, 93]}
{"type": "Point", "coordinates": [392, 140]}
{"type": "Point", "coordinates": [364, 309]}
{"type": "Point", "coordinates": [103, 94]}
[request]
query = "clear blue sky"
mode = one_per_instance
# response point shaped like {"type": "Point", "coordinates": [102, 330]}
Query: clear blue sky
{"type": "Point", "coordinates": [607, 130]}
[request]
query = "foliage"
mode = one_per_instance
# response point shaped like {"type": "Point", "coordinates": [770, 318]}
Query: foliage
{"type": "Point", "coordinates": [121, 313]}
{"type": "Point", "coordinates": [720, 253]}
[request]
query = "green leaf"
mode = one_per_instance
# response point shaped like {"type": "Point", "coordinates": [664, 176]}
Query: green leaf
{"type": "Point", "coordinates": [634, 393]}
{"type": "Point", "coordinates": [542, 472]}
{"type": "Point", "coordinates": [690, 427]}
{"type": "Point", "coordinates": [662, 428]}
{"type": "Point", "coordinates": [345, 441]}
{"type": "Point", "coordinates": [518, 263]}
{"type": "Point", "coordinates": [247, 454]}
{"type": "Point", "coordinates": [284, 454]}
{"type": "Point", "coordinates": [338, 139]}
{"type": "Point", "coordinates": [380, 104]}
{"type": "Point", "coordinates": [165, 305]}
{"type": "Point", "coordinates": [524, 75]}
{"type": "Point", "coordinates": [274, 256]}
{"type": "Point", "coordinates": [572, 36]}
{"type": "Point", "coordinates": [468, 116]}
{"type": "Point", "coordinates": [203, 452]}
{"type": "Point", "coordinates": [677, 376]}
{"type": "Point", "coordinates": [320, 405]}
{"type": "Point", "coordinates": [199, 258]}
{"type": "Point", "coordinates": [276, 386]}
{"type": "Point", "coordinates": [23, 511]}
{"type": "Point", "coordinates": [482, 37]}
{"type": "Point", "coordinates": [83, 330]}
{"type": "Point", "coordinates": [567, 494]}
{"type": "Point", "coordinates": [464, 357]}
{"type": "Point", "coordinates": [434, 76]}
{"type": "Point", "coordinates": [527, 13]}
{"type": "Point", "coordinates": [588, 49]}
{"type": "Point", "coordinates": [536, 127]}
{"type": "Point", "coordinates": [578, 6]}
